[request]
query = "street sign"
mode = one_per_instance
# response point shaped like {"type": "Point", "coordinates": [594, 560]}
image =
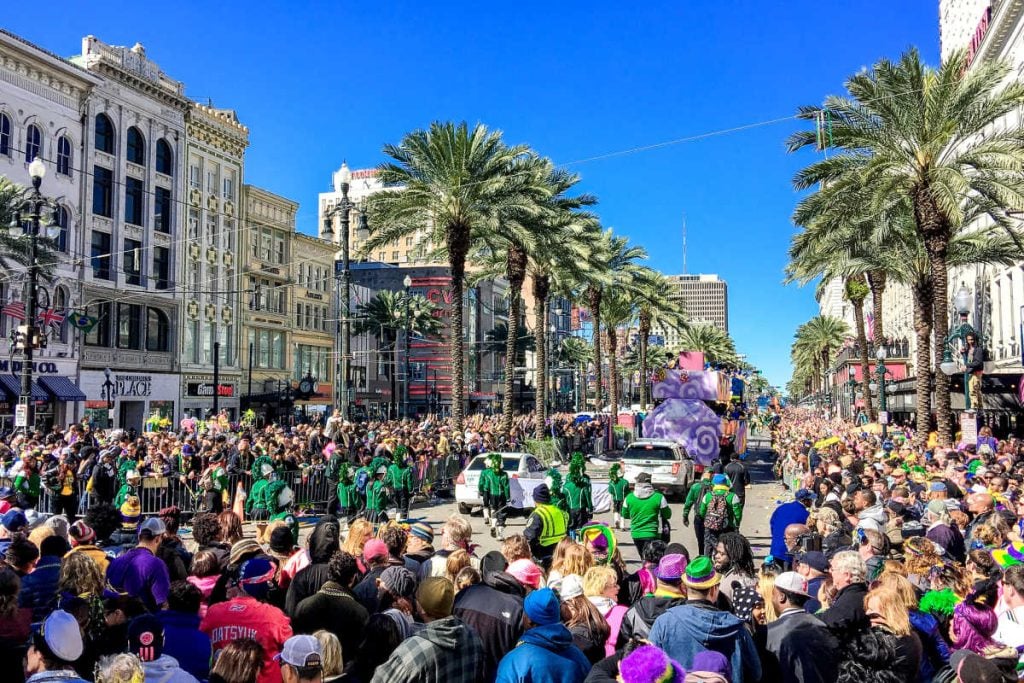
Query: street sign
{"type": "Point", "coordinates": [21, 415]}
{"type": "Point", "coordinates": [883, 417]}
{"type": "Point", "coordinates": [969, 428]}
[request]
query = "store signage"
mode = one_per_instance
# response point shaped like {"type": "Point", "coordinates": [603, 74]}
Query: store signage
{"type": "Point", "coordinates": [206, 389]}
{"type": "Point", "coordinates": [979, 34]}
{"type": "Point", "coordinates": [315, 295]}
{"type": "Point", "coordinates": [364, 173]}
{"type": "Point", "coordinates": [42, 368]}
{"type": "Point", "coordinates": [139, 386]}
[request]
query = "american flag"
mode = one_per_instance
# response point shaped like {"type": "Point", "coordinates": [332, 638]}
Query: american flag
{"type": "Point", "coordinates": [15, 309]}
{"type": "Point", "coordinates": [49, 318]}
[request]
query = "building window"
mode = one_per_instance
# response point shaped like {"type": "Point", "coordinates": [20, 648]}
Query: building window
{"type": "Point", "coordinates": [164, 158]}
{"type": "Point", "coordinates": [136, 147]}
{"type": "Point", "coordinates": [229, 188]}
{"type": "Point", "coordinates": [193, 275]}
{"type": "Point", "coordinates": [191, 336]}
{"type": "Point", "coordinates": [60, 303]}
{"type": "Point", "coordinates": [279, 248]}
{"type": "Point", "coordinates": [100, 255]}
{"type": "Point", "coordinates": [104, 134]}
{"type": "Point", "coordinates": [162, 210]}
{"type": "Point", "coordinates": [269, 349]}
{"type": "Point", "coordinates": [62, 221]}
{"type": "Point", "coordinates": [308, 317]}
{"type": "Point", "coordinates": [162, 267]}
{"type": "Point", "coordinates": [298, 315]}
{"type": "Point", "coordinates": [193, 176]}
{"type": "Point", "coordinates": [266, 245]}
{"type": "Point", "coordinates": [227, 346]}
{"type": "Point", "coordinates": [129, 326]}
{"type": "Point", "coordinates": [64, 156]}
{"type": "Point", "coordinates": [99, 335]}
{"type": "Point", "coordinates": [211, 182]}
{"type": "Point", "coordinates": [102, 191]}
{"type": "Point", "coordinates": [132, 262]}
{"type": "Point", "coordinates": [211, 229]}
{"type": "Point", "coordinates": [5, 135]}
{"type": "Point", "coordinates": [193, 224]}
{"type": "Point", "coordinates": [158, 329]}
{"type": "Point", "coordinates": [133, 201]}
{"type": "Point", "coordinates": [33, 142]}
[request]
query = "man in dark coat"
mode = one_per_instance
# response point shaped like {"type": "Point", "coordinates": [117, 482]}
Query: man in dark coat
{"type": "Point", "coordinates": [640, 617]}
{"type": "Point", "coordinates": [334, 608]}
{"type": "Point", "coordinates": [849, 576]}
{"type": "Point", "coordinates": [495, 615]}
{"type": "Point", "coordinates": [323, 542]}
{"type": "Point", "coordinates": [799, 648]}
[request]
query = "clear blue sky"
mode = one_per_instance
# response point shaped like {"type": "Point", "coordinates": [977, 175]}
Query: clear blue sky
{"type": "Point", "coordinates": [320, 81]}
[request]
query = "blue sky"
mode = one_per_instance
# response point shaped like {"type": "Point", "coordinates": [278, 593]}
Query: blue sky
{"type": "Point", "coordinates": [317, 82]}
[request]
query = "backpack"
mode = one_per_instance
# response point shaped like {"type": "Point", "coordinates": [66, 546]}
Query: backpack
{"type": "Point", "coordinates": [717, 516]}
{"type": "Point", "coordinates": [362, 479]}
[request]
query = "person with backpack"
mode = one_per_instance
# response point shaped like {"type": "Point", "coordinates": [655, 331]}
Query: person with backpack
{"type": "Point", "coordinates": [494, 490]}
{"type": "Point", "coordinates": [721, 510]}
{"type": "Point", "coordinates": [648, 511]}
{"type": "Point", "coordinates": [618, 487]}
{"type": "Point", "coordinates": [362, 478]}
{"type": "Point", "coordinates": [377, 492]}
{"type": "Point", "coordinates": [693, 499]}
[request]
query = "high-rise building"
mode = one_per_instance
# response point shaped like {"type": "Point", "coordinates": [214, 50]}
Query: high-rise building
{"type": "Point", "coordinates": [706, 300]}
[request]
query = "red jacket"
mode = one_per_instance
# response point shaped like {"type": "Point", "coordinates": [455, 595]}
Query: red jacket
{"type": "Point", "coordinates": [246, 617]}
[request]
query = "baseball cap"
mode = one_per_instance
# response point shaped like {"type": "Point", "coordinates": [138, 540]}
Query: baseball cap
{"type": "Point", "coordinates": [60, 634]}
{"type": "Point", "coordinates": [301, 651]}
{"type": "Point", "coordinates": [806, 494]}
{"type": "Point", "coordinates": [791, 582]}
{"type": "Point", "coordinates": [375, 549]}
{"type": "Point", "coordinates": [719, 480]}
{"type": "Point", "coordinates": [815, 559]}
{"type": "Point", "coordinates": [572, 587]}
{"type": "Point", "coordinates": [14, 520]}
{"type": "Point", "coordinates": [146, 638]}
{"type": "Point", "coordinates": [153, 526]}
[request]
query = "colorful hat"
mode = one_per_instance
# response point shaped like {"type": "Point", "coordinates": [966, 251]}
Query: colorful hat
{"type": "Point", "coordinates": [1009, 556]}
{"type": "Point", "coordinates": [671, 567]}
{"type": "Point", "coordinates": [649, 664]}
{"type": "Point", "coordinates": [422, 531]}
{"type": "Point", "coordinates": [131, 512]}
{"type": "Point", "coordinates": [701, 574]}
{"type": "Point", "coordinates": [720, 480]}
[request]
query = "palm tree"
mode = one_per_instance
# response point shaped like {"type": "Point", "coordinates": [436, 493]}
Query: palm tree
{"type": "Point", "coordinates": [716, 345]}
{"type": "Point", "coordinates": [384, 316]}
{"type": "Point", "coordinates": [931, 137]}
{"type": "Point", "coordinates": [817, 340]}
{"type": "Point", "coordinates": [496, 342]}
{"type": "Point", "coordinates": [656, 306]}
{"type": "Point", "coordinates": [456, 181]}
{"type": "Point", "coordinates": [577, 352]}
{"type": "Point", "coordinates": [15, 251]}
{"type": "Point", "coordinates": [620, 311]}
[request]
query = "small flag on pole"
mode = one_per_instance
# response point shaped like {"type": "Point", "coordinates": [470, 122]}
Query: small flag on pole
{"type": "Point", "coordinates": [50, 318]}
{"type": "Point", "coordinates": [82, 322]}
{"type": "Point", "coordinates": [15, 309]}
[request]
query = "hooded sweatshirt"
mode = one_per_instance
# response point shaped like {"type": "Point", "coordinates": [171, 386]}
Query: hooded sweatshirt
{"type": "Point", "coordinates": [165, 669]}
{"type": "Point", "coordinates": [646, 508]}
{"type": "Point", "coordinates": [545, 654]}
{"type": "Point", "coordinates": [873, 517]}
{"type": "Point", "coordinates": [185, 642]}
{"type": "Point", "coordinates": [639, 619]}
{"type": "Point", "coordinates": [323, 542]}
{"type": "Point", "coordinates": [446, 651]}
{"type": "Point", "coordinates": [685, 630]}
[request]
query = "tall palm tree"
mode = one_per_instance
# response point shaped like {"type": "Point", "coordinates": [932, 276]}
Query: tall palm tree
{"type": "Point", "coordinates": [384, 316]}
{"type": "Point", "coordinates": [818, 339]}
{"type": "Point", "coordinates": [577, 352]}
{"type": "Point", "coordinates": [929, 136]}
{"type": "Point", "coordinates": [716, 345]}
{"type": "Point", "coordinates": [15, 251]}
{"type": "Point", "coordinates": [619, 311]}
{"type": "Point", "coordinates": [456, 181]}
{"type": "Point", "coordinates": [656, 305]}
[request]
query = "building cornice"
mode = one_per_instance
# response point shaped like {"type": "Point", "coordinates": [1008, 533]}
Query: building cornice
{"type": "Point", "coordinates": [25, 66]}
{"type": "Point", "coordinates": [217, 128]}
{"type": "Point", "coordinates": [131, 67]}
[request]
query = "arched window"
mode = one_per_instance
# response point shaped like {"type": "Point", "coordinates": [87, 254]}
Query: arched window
{"type": "Point", "coordinates": [64, 156]}
{"type": "Point", "coordinates": [136, 146]}
{"type": "Point", "coordinates": [63, 218]}
{"type": "Point", "coordinates": [5, 134]}
{"type": "Point", "coordinates": [104, 134]}
{"type": "Point", "coordinates": [60, 304]}
{"type": "Point", "coordinates": [164, 158]}
{"type": "Point", "coordinates": [33, 142]}
{"type": "Point", "coordinates": [158, 330]}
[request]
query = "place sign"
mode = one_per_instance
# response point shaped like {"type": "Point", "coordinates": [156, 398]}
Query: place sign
{"type": "Point", "coordinates": [206, 389]}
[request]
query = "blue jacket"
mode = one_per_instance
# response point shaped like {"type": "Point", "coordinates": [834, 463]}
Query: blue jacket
{"type": "Point", "coordinates": [792, 512]}
{"type": "Point", "coordinates": [39, 589]}
{"type": "Point", "coordinates": [685, 630]}
{"type": "Point", "coordinates": [545, 654]}
{"type": "Point", "coordinates": [185, 642]}
{"type": "Point", "coordinates": [935, 650]}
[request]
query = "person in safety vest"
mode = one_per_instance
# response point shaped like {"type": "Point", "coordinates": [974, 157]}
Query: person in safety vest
{"type": "Point", "coordinates": [546, 526]}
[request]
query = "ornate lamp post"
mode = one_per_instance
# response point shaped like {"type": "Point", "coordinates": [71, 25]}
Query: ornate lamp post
{"type": "Point", "coordinates": [883, 415]}
{"type": "Point", "coordinates": [956, 342]}
{"type": "Point", "coordinates": [407, 283]}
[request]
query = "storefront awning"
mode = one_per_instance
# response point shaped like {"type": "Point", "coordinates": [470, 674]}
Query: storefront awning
{"type": "Point", "coordinates": [61, 388]}
{"type": "Point", "coordinates": [11, 385]}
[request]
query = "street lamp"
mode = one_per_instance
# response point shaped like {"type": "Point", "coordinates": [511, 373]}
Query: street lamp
{"type": "Point", "coordinates": [851, 385]}
{"type": "Point", "coordinates": [883, 416]}
{"type": "Point", "coordinates": [343, 275]}
{"type": "Point", "coordinates": [108, 394]}
{"type": "Point", "coordinates": [957, 341]}
{"type": "Point", "coordinates": [29, 336]}
{"type": "Point", "coordinates": [407, 283]}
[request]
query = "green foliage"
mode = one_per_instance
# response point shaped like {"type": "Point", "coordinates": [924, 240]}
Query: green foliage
{"type": "Point", "coordinates": [545, 449]}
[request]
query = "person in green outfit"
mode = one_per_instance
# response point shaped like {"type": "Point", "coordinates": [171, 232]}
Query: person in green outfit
{"type": "Point", "coordinates": [214, 484]}
{"type": "Point", "coordinates": [278, 499]}
{"type": "Point", "coordinates": [400, 482]}
{"type": "Point", "coordinates": [348, 499]}
{"type": "Point", "coordinates": [27, 483]}
{"type": "Point", "coordinates": [131, 486]}
{"type": "Point", "coordinates": [377, 493]}
{"type": "Point", "coordinates": [262, 470]}
{"type": "Point", "coordinates": [647, 511]}
{"type": "Point", "coordinates": [693, 499]}
{"type": "Point", "coordinates": [494, 490]}
{"type": "Point", "coordinates": [618, 487]}
{"type": "Point", "coordinates": [721, 509]}
{"type": "Point", "coordinates": [576, 491]}
{"type": "Point", "coordinates": [553, 478]}
{"type": "Point", "coordinates": [363, 478]}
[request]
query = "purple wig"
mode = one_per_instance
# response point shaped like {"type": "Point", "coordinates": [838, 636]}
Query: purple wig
{"type": "Point", "coordinates": [974, 625]}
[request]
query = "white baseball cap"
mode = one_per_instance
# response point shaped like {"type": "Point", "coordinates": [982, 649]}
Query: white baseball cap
{"type": "Point", "coordinates": [791, 582]}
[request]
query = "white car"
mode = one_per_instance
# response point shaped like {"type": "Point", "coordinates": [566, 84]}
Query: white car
{"type": "Point", "coordinates": [670, 468]}
{"type": "Point", "coordinates": [525, 473]}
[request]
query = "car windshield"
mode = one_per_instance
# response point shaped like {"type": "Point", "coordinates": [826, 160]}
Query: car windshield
{"type": "Point", "coordinates": [649, 452]}
{"type": "Point", "coordinates": [511, 464]}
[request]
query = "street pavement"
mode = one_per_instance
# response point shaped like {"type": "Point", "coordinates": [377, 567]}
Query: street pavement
{"type": "Point", "coordinates": [762, 497]}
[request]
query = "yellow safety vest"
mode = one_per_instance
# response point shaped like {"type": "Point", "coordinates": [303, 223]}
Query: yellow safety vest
{"type": "Point", "coordinates": [553, 524]}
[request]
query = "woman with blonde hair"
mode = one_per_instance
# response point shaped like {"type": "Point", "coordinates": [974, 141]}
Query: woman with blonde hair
{"type": "Point", "coordinates": [122, 668]}
{"type": "Point", "coordinates": [890, 618]}
{"type": "Point", "coordinates": [601, 586]}
{"type": "Point", "coordinates": [935, 651]}
{"type": "Point", "coordinates": [81, 584]}
{"type": "Point", "coordinates": [576, 559]}
{"type": "Point", "coordinates": [331, 656]}
{"type": "Point", "coordinates": [766, 587]}
{"type": "Point", "coordinates": [359, 532]}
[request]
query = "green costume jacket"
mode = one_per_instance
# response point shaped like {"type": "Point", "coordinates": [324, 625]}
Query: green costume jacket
{"type": "Point", "coordinates": [347, 497]}
{"type": "Point", "coordinates": [376, 496]}
{"type": "Point", "coordinates": [494, 484]}
{"type": "Point", "coordinates": [123, 493]}
{"type": "Point", "coordinates": [695, 495]}
{"type": "Point", "coordinates": [732, 505]}
{"type": "Point", "coordinates": [618, 489]}
{"type": "Point", "coordinates": [400, 478]}
{"type": "Point", "coordinates": [578, 496]}
{"type": "Point", "coordinates": [646, 513]}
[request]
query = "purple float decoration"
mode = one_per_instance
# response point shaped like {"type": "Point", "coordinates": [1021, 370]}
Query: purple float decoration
{"type": "Point", "coordinates": [683, 416]}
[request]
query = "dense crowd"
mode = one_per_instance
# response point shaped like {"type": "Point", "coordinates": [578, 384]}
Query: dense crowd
{"type": "Point", "coordinates": [886, 564]}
